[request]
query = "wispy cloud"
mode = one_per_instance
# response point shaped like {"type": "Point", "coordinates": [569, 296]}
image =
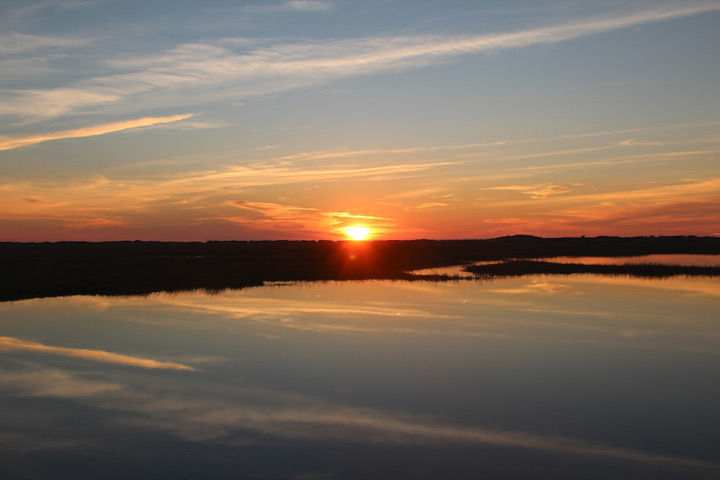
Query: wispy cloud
{"type": "Point", "coordinates": [16, 344]}
{"type": "Point", "coordinates": [637, 158]}
{"type": "Point", "coordinates": [10, 143]}
{"type": "Point", "coordinates": [91, 222]}
{"type": "Point", "coordinates": [330, 154]}
{"type": "Point", "coordinates": [231, 414]}
{"type": "Point", "coordinates": [100, 202]}
{"type": "Point", "coordinates": [354, 217]}
{"type": "Point", "coordinates": [241, 176]}
{"type": "Point", "coordinates": [23, 44]}
{"type": "Point", "coordinates": [47, 382]}
{"type": "Point", "coordinates": [633, 210]}
{"type": "Point", "coordinates": [422, 198]}
{"type": "Point", "coordinates": [298, 195]}
{"type": "Point", "coordinates": [280, 217]}
{"type": "Point", "coordinates": [535, 191]}
{"type": "Point", "coordinates": [212, 71]}
{"type": "Point", "coordinates": [291, 6]}
{"type": "Point", "coordinates": [684, 188]}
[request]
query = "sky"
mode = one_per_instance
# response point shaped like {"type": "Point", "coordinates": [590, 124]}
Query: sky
{"type": "Point", "coordinates": [295, 119]}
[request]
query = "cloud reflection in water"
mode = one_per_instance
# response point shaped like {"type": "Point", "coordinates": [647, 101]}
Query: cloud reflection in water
{"type": "Point", "coordinates": [590, 372]}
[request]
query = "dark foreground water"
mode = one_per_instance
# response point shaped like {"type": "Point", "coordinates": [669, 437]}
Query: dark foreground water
{"type": "Point", "coordinates": [577, 377]}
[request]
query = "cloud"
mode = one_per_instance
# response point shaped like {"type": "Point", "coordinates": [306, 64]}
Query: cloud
{"type": "Point", "coordinates": [226, 415]}
{"type": "Point", "coordinates": [101, 203]}
{"type": "Point", "coordinates": [425, 198]}
{"type": "Point", "coordinates": [10, 143]}
{"type": "Point", "coordinates": [263, 215]}
{"type": "Point", "coordinates": [535, 191]}
{"type": "Point", "coordinates": [654, 157]}
{"type": "Point", "coordinates": [687, 190]}
{"type": "Point", "coordinates": [33, 103]}
{"type": "Point", "coordinates": [701, 287]}
{"type": "Point", "coordinates": [308, 5]}
{"type": "Point", "coordinates": [355, 217]}
{"type": "Point", "coordinates": [671, 216]}
{"type": "Point", "coordinates": [16, 344]}
{"type": "Point", "coordinates": [538, 286]}
{"type": "Point", "coordinates": [330, 154]}
{"type": "Point", "coordinates": [23, 44]}
{"type": "Point", "coordinates": [280, 217]}
{"type": "Point", "coordinates": [675, 209]}
{"type": "Point", "coordinates": [241, 176]}
{"type": "Point", "coordinates": [48, 382]}
{"type": "Point", "coordinates": [272, 209]}
{"type": "Point", "coordinates": [29, 8]}
{"type": "Point", "coordinates": [473, 200]}
{"type": "Point", "coordinates": [683, 189]}
{"type": "Point", "coordinates": [663, 208]}
{"type": "Point", "coordinates": [321, 315]}
{"type": "Point", "coordinates": [193, 73]}
{"type": "Point", "coordinates": [291, 6]}
{"type": "Point", "coordinates": [97, 223]}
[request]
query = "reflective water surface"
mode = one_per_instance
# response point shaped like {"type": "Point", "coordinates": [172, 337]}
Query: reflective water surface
{"type": "Point", "coordinates": [540, 377]}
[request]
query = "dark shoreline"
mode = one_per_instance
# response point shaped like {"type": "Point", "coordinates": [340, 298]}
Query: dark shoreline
{"type": "Point", "coordinates": [34, 270]}
{"type": "Point", "coordinates": [517, 268]}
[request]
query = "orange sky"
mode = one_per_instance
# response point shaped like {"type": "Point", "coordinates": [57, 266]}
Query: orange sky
{"type": "Point", "coordinates": [432, 123]}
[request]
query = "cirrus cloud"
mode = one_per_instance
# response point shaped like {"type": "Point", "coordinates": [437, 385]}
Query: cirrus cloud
{"type": "Point", "coordinates": [10, 143]}
{"type": "Point", "coordinates": [212, 71]}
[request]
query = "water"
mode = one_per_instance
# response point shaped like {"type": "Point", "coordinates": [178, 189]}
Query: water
{"type": "Point", "coordinates": [541, 377]}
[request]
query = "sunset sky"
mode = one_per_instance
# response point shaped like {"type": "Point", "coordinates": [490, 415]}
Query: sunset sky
{"type": "Point", "coordinates": [221, 120]}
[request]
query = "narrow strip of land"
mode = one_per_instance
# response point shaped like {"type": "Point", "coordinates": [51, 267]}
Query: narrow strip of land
{"type": "Point", "coordinates": [32, 270]}
{"type": "Point", "coordinates": [514, 268]}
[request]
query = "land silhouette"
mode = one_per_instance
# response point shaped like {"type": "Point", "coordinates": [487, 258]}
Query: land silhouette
{"type": "Point", "coordinates": [33, 270]}
{"type": "Point", "coordinates": [515, 268]}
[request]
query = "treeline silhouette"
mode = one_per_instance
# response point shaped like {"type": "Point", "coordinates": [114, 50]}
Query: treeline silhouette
{"type": "Point", "coordinates": [31, 270]}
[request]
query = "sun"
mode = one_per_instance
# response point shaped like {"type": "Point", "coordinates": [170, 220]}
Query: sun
{"type": "Point", "coordinates": [356, 232]}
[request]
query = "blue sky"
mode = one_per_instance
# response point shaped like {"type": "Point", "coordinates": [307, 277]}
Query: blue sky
{"type": "Point", "coordinates": [295, 119]}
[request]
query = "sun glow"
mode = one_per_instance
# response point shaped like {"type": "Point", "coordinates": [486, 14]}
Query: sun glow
{"type": "Point", "coordinates": [357, 233]}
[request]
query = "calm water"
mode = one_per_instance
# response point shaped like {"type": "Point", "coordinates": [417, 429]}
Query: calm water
{"type": "Point", "coordinates": [544, 377]}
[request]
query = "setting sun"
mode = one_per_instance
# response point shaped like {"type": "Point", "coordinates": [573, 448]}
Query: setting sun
{"type": "Point", "coordinates": [357, 233]}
